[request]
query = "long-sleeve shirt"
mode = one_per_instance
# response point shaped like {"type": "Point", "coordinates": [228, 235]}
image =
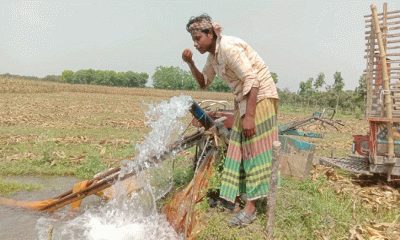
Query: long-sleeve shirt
{"type": "Point", "coordinates": [241, 68]}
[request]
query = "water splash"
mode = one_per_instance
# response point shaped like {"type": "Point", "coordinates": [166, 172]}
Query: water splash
{"type": "Point", "coordinates": [162, 119]}
{"type": "Point", "coordinates": [134, 216]}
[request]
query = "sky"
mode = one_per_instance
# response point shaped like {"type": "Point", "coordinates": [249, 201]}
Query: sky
{"type": "Point", "coordinates": [296, 39]}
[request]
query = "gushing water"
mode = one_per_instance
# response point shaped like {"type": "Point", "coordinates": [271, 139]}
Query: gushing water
{"type": "Point", "coordinates": [132, 216]}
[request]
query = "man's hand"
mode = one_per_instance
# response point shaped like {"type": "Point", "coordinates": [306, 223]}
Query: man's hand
{"type": "Point", "coordinates": [187, 56]}
{"type": "Point", "coordinates": [249, 126]}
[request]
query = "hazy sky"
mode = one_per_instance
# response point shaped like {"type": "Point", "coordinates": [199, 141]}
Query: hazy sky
{"type": "Point", "coordinates": [296, 39]}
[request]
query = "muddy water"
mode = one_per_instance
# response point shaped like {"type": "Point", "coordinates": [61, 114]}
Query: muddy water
{"type": "Point", "coordinates": [17, 223]}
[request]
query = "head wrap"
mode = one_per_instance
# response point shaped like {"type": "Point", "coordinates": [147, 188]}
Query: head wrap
{"type": "Point", "coordinates": [203, 25]}
{"type": "Point", "coordinates": [199, 26]}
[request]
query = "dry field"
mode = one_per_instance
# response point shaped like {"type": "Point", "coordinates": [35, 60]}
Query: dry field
{"type": "Point", "coordinates": [52, 121]}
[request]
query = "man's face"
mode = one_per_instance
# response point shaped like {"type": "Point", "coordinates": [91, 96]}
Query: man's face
{"type": "Point", "coordinates": [202, 41]}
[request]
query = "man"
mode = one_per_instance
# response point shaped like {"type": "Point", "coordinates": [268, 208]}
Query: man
{"type": "Point", "coordinates": [247, 165]}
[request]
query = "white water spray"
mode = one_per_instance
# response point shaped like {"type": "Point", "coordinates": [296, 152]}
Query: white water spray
{"type": "Point", "coordinates": [133, 216]}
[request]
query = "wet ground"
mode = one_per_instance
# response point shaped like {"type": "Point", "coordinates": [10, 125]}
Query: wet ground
{"type": "Point", "coordinates": [18, 223]}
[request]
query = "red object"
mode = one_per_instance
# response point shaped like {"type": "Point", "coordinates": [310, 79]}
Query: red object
{"type": "Point", "coordinates": [379, 79]}
{"type": "Point", "coordinates": [362, 144]}
{"type": "Point", "coordinates": [215, 115]}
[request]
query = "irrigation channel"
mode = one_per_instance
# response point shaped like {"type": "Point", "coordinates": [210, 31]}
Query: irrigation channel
{"type": "Point", "coordinates": [126, 216]}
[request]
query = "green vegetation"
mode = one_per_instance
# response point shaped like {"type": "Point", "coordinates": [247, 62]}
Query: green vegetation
{"type": "Point", "coordinates": [7, 187]}
{"type": "Point", "coordinates": [304, 210]}
{"type": "Point", "coordinates": [100, 77]}
{"type": "Point", "coordinates": [174, 78]}
{"type": "Point", "coordinates": [309, 95]}
{"type": "Point", "coordinates": [182, 172]}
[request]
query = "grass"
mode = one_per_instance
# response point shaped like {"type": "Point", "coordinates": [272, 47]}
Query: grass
{"type": "Point", "coordinates": [7, 187]}
{"type": "Point", "coordinates": [304, 210]}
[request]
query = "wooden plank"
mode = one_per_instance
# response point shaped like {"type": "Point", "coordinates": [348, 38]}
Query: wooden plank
{"type": "Point", "coordinates": [389, 61]}
{"type": "Point", "coordinates": [393, 35]}
{"type": "Point", "coordinates": [378, 112]}
{"type": "Point", "coordinates": [387, 36]}
{"type": "Point", "coordinates": [391, 85]}
{"type": "Point", "coordinates": [391, 69]}
{"type": "Point", "coordinates": [390, 29]}
{"type": "Point", "coordinates": [387, 55]}
{"type": "Point", "coordinates": [381, 25]}
{"type": "Point", "coordinates": [376, 74]}
{"type": "Point", "coordinates": [389, 42]}
{"type": "Point", "coordinates": [393, 28]}
{"type": "Point", "coordinates": [381, 18]}
{"type": "Point", "coordinates": [380, 14]}
{"type": "Point", "coordinates": [394, 106]}
{"type": "Point", "coordinates": [389, 48]}
{"type": "Point", "coordinates": [377, 95]}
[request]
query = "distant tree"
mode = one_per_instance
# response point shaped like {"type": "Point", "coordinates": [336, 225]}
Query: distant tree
{"type": "Point", "coordinates": [275, 77]}
{"type": "Point", "coordinates": [338, 84]}
{"type": "Point", "coordinates": [178, 79]}
{"type": "Point", "coordinates": [130, 79]}
{"type": "Point", "coordinates": [320, 81]}
{"type": "Point", "coordinates": [168, 78]}
{"type": "Point", "coordinates": [361, 92]}
{"type": "Point", "coordinates": [99, 77]}
{"type": "Point", "coordinates": [219, 85]}
{"type": "Point", "coordinates": [306, 87]}
{"type": "Point", "coordinates": [110, 78]}
{"type": "Point", "coordinates": [67, 76]}
{"type": "Point", "coordinates": [89, 76]}
{"type": "Point", "coordinates": [188, 81]}
{"type": "Point", "coordinates": [143, 78]}
{"type": "Point", "coordinates": [79, 77]}
{"type": "Point", "coordinates": [52, 78]}
{"type": "Point", "coordinates": [362, 86]}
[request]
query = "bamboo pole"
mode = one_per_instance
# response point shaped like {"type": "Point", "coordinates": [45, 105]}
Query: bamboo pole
{"type": "Point", "coordinates": [113, 178]}
{"type": "Point", "coordinates": [370, 78]}
{"type": "Point", "coordinates": [388, 100]}
{"type": "Point", "coordinates": [273, 186]}
{"type": "Point", "coordinates": [385, 29]}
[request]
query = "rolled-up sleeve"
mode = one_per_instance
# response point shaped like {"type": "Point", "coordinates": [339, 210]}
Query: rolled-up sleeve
{"type": "Point", "coordinates": [241, 66]}
{"type": "Point", "coordinates": [208, 73]}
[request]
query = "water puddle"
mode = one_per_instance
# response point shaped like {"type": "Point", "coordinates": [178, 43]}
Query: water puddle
{"type": "Point", "coordinates": [126, 216]}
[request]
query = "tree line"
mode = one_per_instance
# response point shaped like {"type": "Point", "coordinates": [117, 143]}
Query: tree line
{"type": "Point", "coordinates": [171, 78]}
{"type": "Point", "coordinates": [102, 77]}
{"type": "Point", "coordinates": [312, 92]}
{"type": "Point", "coordinates": [175, 78]}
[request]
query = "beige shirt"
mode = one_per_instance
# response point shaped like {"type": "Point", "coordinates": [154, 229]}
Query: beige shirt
{"type": "Point", "coordinates": [241, 68]}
